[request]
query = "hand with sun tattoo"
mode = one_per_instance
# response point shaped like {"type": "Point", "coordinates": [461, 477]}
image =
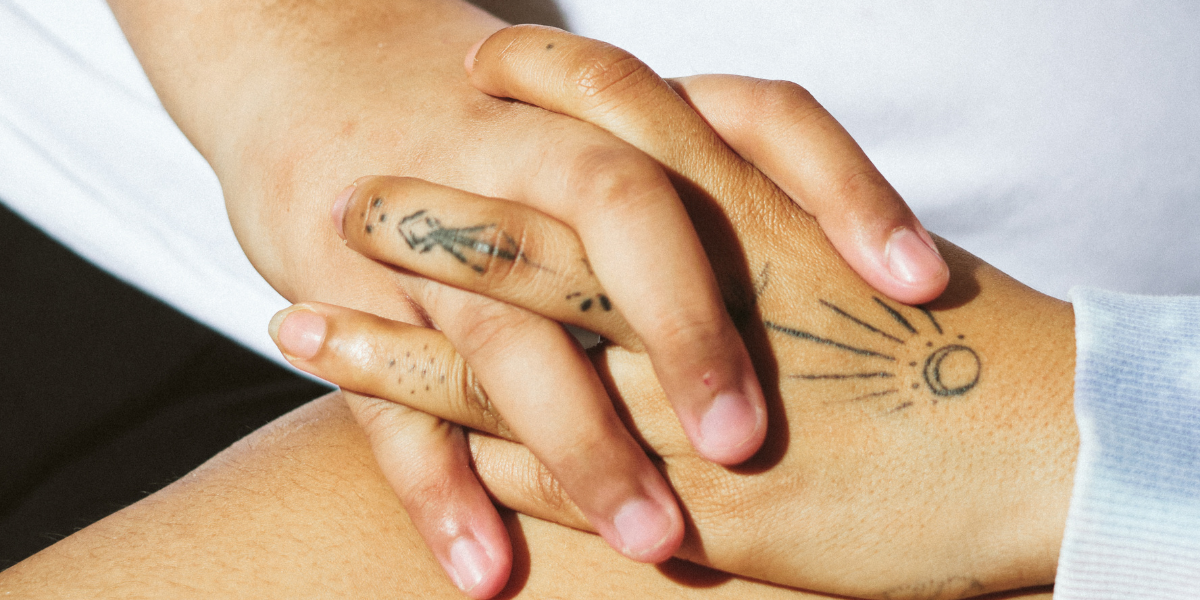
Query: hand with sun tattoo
{"type": "Point", "coordinates": [313, 94]}
{"type": "Point", "coordinates": [916, 452]}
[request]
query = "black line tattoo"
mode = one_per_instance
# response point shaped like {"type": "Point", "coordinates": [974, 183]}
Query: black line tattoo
{"type": "Point", "coordinates": [965, 377]}
{"type": "Point", "coordinates": [424, 233]}
{"type": "Point", "coordinates": [896, 315]}
{"type": "Point", "coordinates": [881, 375]}
{"type": "Point", "coordinates": [936, 325]}
{"type": "Point", "coordinates": [860, 322]}
{"type": "Point", "coordinates": [804, 335]}
{"type": "Point", "coordinates": [946, 370]}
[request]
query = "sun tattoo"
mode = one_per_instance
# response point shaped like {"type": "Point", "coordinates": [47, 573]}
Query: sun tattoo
{"type": "Point", "coordinates": [914, 359]}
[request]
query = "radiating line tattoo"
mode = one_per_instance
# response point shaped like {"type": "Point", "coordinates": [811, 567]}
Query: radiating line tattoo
{"type": "Point", "coordinates": [936, 325]}
{"type": "Point", "coordinates": [873, 395]}
{"type": "Point", "coordinates": [861, 323]}
{"type": "Point", "coordinates": [896, 315]}
{"type": "Point", "coordinates": [804, 335]}
{"type": "Point", "coordinates": [845, 376]}
{"type": "Point", "coordinates": [943, 370]}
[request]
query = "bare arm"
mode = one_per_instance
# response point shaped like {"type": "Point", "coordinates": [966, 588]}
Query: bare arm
{"type": "Point", "coordinates": [298, 510]}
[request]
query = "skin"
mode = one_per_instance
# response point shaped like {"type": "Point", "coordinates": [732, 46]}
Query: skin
{"type": "Point", "coordinates": [920, 452]}
{"type": "Point", "coordinates": [291, 100]}
{"type": "Point", "coordinates": [297, 510]}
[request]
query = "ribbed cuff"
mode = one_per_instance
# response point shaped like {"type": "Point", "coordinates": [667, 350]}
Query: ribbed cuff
{"type": "Point", "coordinates": [1133, 529]}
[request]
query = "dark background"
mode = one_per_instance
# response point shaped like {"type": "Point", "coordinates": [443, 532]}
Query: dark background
{"type": "Point", "coordinates": [107, 394]}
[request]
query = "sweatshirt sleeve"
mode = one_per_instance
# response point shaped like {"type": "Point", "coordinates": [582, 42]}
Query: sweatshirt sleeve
{"type": "Point", "coordinates": [1133, 529]}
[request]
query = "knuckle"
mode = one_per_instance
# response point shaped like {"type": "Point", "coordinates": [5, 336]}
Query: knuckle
{"type": "Point", "coordinates": [428, 492]}
{"type": "Point", "coordinates": [862, 183]}
{"type": "Point", "coordinates": [509, 242]}
{"type": "Point", "coordinates": [771, 102]}
{"type": "Point", "coordinates": [608, 73]}
{"type": "Point", "coordinates": [675, 331]}
{"type": "Point", "coordinates": [377, 417]}
{"type": "Point", "coordinates": [546, 488]}
{"type": "Point", "coordinates": [615, 178]}
{"type": "Point", "coordinates": [775, 97]}
{"type": "Point", "coordinates": [475, 400]}
{"type": "Point", "coordinates": [486, 326]}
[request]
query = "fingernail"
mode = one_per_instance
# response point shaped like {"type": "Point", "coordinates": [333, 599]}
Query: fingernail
{"type": "Point", "coordinates": [469, 62]}
{"type": "Point", "coordinates": [643, 527]}
{"type": "Point", "coordinates": [299, 332]}
{"type": "Point", "coordinates": [469, 563]}
{"type": "Point", "coordinates": [338, 211]}
{"type": "Point", "coordinates": [729, 424]}
{"type": "Point", "coordinates": [911, 258]}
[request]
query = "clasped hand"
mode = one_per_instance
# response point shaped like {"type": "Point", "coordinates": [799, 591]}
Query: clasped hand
{"type": "Point", "coordinates": [881, 415]}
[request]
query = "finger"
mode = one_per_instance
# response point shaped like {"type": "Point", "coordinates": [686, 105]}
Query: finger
{"type": "Point", "coordinates": [503, 249]}
{"type": "Point", "coordinates": [538, 378]}
{"type": "Point", "coordinates": [782, 130]}
{"type": "Point", "coordinates": [642, 245]}
{"type": "Point", "coordinates": [603, 85]}
{"type": "Point", "coordinates": [427, 462]}
{"type": "Point", "coordinates": [517, 480]}
{"type": "Point", "coordinates": [414, 366]}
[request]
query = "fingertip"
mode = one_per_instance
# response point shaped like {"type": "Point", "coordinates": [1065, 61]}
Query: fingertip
{"type": "Point", "coordinates": [472, 53]}
{"type": "Point", "coordinates": [915, 265]}
{"type": "Point", "coordinates": [298, 331]}
{"type": "Point", "coordinates": [476, 570]}
{"type": "Point", "coordinates": [647, 530]}
{"type": "Point", "coordinates": [337, 212]}
{"type": "Point", "coordinates": [732, 427]}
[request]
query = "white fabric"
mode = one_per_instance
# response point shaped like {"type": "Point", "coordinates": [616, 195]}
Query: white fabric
{"type": "Point", "coordinates": [1134, 525]}
{"type": "Point", "coordinates": [88, 154]}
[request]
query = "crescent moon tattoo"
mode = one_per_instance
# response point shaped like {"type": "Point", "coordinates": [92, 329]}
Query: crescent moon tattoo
{"type": "Point", "coordinates": [967, 367]}
{"type": "Point", "coordinates": [894, 356]}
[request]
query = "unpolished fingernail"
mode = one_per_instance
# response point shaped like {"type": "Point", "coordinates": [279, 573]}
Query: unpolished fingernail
{"type": "Point", "coordinates": [912, 259]}
{"type": "Point", "coordinates": [643, 526]}
{"type": "Point", "coordinates": [730, 422]}
{"type": "Point", "coordinates": [469, 61]}
{"type": "Point", "coordinates": [338, 211]}
{"type": "Point", "coordinates": [469, 563]}
{"type": "Point", "coordinates": [300, 334]}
